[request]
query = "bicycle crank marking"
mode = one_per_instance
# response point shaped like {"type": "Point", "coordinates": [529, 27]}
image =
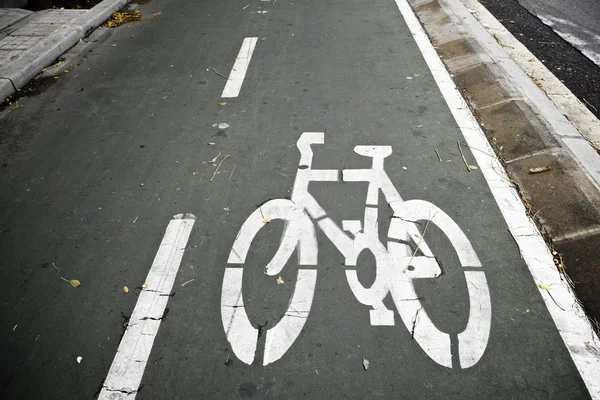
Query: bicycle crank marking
{"type": "Point", "coordinates": [397, 264]}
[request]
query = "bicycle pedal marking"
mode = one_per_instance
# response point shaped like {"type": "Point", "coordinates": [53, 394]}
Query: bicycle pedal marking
{"type": "Point", "coordinates": [397, 264]}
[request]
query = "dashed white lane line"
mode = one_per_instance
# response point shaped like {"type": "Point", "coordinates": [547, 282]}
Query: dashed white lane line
{"type": "Point", "coordinates": [569, 318]}
{"type": "Point", "coordinates": [238, 72]}
{"type": "Point", "coordinates": [127, 369]}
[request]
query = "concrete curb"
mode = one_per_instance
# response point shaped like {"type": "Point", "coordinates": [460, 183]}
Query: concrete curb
{"type": "Point", "coordinates": [528, 130]}
{"type": "Point", "coordinates": [31, 62]}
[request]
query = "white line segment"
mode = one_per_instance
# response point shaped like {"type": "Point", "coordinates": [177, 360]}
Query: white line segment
{"type": "Point", "coordinates": [576, 331]}
{"type": "Point", "coordinates": [127, 369]}
{"type": "Point", "coordinates": [238, 72]}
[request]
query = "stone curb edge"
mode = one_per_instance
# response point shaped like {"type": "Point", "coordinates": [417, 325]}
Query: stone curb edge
{"type": "Point", "coordinates": [565, 201]}
{"type": "Point", "coordinates": [31, 62]}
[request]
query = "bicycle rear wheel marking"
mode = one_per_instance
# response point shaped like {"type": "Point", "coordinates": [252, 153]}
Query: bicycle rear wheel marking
{"type": "Point", "coordinates": [298, 235]}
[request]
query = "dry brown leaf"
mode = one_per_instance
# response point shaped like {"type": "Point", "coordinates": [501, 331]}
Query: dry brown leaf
{"type": "Point", "coordinates": [120, 18]}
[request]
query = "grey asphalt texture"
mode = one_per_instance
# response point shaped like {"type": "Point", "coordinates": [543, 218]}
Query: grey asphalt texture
{"type": "Point", "coordinates": [140, 109]}
{"type": "Point", "coordinates": [579, 19]}
{"type": "Point", "coordinates": [577, 72]}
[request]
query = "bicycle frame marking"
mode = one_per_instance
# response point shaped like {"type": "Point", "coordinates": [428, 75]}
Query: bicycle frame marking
{"type": "Point", "coordinates": [392, 273]}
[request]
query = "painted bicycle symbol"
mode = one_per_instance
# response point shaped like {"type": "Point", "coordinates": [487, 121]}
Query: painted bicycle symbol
{"type": "Point", "coordinates": [397, 265]}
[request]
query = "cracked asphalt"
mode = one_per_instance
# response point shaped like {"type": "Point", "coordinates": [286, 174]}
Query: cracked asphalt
{"type": "Point", "coordinates": [98, 165]}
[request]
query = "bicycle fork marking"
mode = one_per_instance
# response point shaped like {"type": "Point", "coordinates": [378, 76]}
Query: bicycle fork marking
{"type": "Point", "coordinates": [396, 265]}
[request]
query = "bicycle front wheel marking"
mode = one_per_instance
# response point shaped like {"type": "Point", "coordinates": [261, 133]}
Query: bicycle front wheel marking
{"type": "Point", "coordinates": [473, 340]}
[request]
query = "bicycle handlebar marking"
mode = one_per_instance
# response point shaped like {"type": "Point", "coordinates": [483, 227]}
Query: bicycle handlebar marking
{"type": "Point", "coordinates": [393, 275]}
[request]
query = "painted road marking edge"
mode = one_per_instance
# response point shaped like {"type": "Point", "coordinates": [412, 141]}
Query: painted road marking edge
{"type": "Point", "coordinates": [238, 72]}
{"type": "Point", "coordinates": [127, 369]}
{"type": "Point", "coordinates": [569, 318]}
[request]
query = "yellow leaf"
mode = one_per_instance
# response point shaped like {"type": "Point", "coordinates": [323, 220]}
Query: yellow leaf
{"type": "Point", "coordinates": [144, 286]}
{"type": "Point", "coordinates": [538, 170]}
{"type": "Point", "coordinates": [544, 286]}
{"type": "Point", "coordinates": [67, 70]}
{"type": "Point", "coordinates": [223, 103]}
{"type": "Point", "coordinates": [73, 282]}
{"type": "Point", "coordinates": [211, 143]}
{"type": "Point", "coordinates": [279, 281]}
{"type": "Point", "coordinates": [125, 289]}
{"type": "Point", "coordinates": [266, 220]}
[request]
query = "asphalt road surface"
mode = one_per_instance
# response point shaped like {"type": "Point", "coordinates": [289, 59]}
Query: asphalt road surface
{"type": "Point", "coordinates": [562, 57]}
{"type": "Point", "coordinates": [99, 165]}
{"type": "Point", "coordinates": [578, 22]}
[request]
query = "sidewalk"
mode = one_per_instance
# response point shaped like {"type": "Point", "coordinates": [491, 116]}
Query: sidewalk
{"type": "Point", "coordinates": [20, 30]}
{"type": "Point", "coordinates": [30, 41]}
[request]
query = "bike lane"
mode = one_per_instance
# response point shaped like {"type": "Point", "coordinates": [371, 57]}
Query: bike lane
{"type": "Point", "coordinates": [354, 73]}
{"type": "Point", "coordinates": [116, 161]}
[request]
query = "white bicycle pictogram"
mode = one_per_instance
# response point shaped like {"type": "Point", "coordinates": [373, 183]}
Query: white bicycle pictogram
{"type": "Point", "coordinates": [397, 265]}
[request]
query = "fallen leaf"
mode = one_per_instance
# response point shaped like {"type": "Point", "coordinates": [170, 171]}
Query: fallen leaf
{"type": "Point", "coordinates": [279, 281]}
{"type": "Point", "coordinates": [79, 359]}
{"type": "Point", "coordinates": [211, 143]}
{"type": "Point", "coordinates": [366, 363]}
{"type": "Point", "coordinates": [125, 289]}
{"type": "Point", "coordinates": [544, 286]}
{"type": "Point", "coordinates": [537, 170]}
{"type": "Point", "coordinates": [73, 282]}
{"type": "Point", "coordinates": [164, 97]}
{"type": "Point", "coordinates": [223, 103]}
{"type": "Point", "coordinates": [473, 167]}
{"type": "Point", "coordinates": [266, 220]}
{"type": "Point", "coordinates": [120, 18]}
{"type": "Point", "coordinates": [113, 45]}
{"type": "Point", "coordinates": [67, 71]}
{"type": "Point", "coordinates": [214, 160]}
{"type": "Point", "coordinates": [144, 286]}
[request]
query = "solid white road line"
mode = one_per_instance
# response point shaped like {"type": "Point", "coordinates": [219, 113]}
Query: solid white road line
{"type": "Point", "coordinates": [127, 369]}
{"type": "Point", "coordinates": [575, 329]}
{"type": "Point", "coordinates": [238, 72]}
